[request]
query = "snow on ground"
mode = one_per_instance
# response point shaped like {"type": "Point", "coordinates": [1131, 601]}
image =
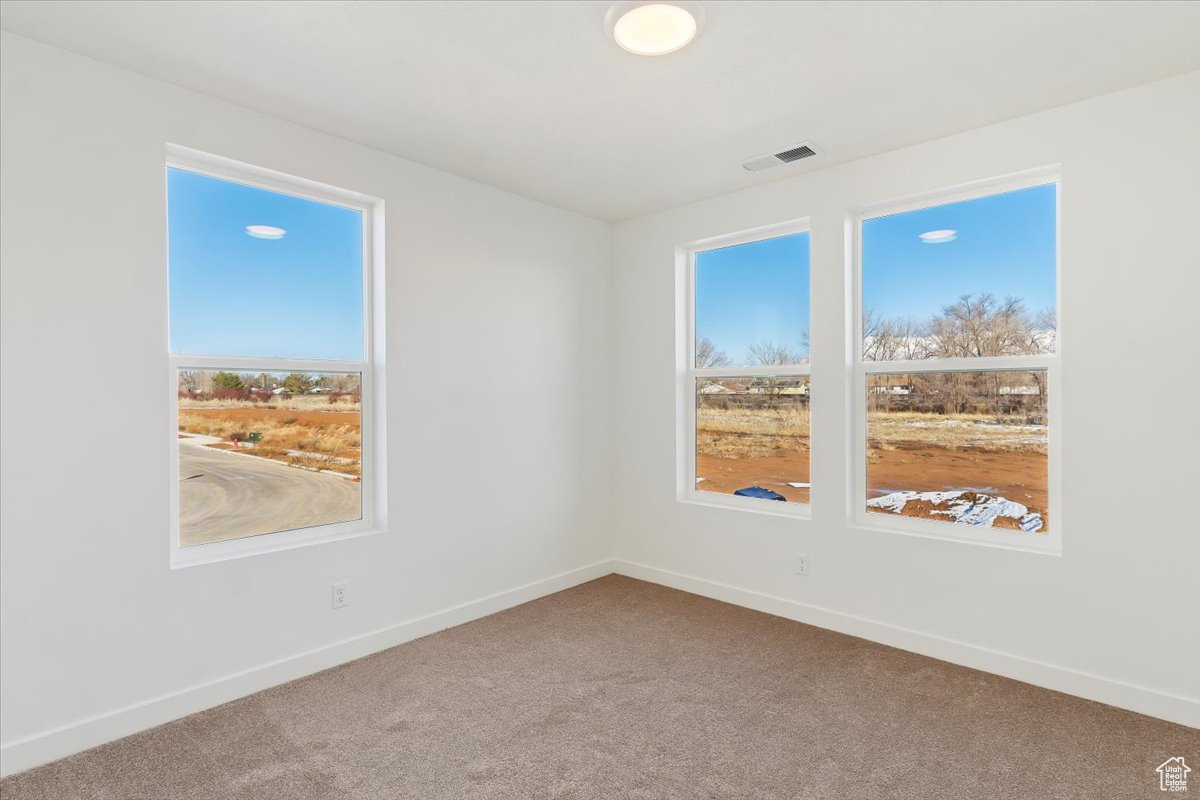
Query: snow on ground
{"type": "Point", "coordinates": [977, 509]}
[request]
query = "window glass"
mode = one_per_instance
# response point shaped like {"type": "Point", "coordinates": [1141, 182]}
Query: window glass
{"type": "Point", "coordinates": [255, 272]}
{"type": "Point", "coordinates": [752, 303]}
{"type": "Point", "coordinates": [969, 279]}
{"type": "Point", "coordinates": [963, 447]}
{"type": "Point", "coordinates": [263, 452]}
{"type": "Point", "coordinates": [266, 288]}
{"type": "Point", "coordinates": [752, 437]}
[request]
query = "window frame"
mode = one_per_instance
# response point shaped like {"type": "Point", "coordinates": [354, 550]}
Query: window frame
{"type": "Point", "coordinates": [859, 517]}
{"type": "Point", "coordinates": [370, 368]}
{"type": "Point", "coordinates": [687, 374]}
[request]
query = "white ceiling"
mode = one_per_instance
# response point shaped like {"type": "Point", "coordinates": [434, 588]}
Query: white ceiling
{"type": "Point", "coordinates": [534, 98]}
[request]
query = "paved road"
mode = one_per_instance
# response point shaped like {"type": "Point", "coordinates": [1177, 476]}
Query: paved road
{"type": "Point", "coordinates": [225, 496]}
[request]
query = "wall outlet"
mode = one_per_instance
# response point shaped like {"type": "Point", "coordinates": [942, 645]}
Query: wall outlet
{"type": "Point", "coordinates": [341, 596]}
{"type": "Point", "coordinates": [802, 563]}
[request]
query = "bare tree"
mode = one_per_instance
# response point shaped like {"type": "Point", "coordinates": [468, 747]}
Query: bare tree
{"type": "Point", "coordinates": [344, 383]}
{"type": "Point", "coordinates": [1044, 333]}
{"type": "Point", "coordinates": [708, 356]}
{"type": "Point", "coordinates": [188, 381]}
{"type": "Point", "coordinates": [765, 354]}
{"type": "Point", "coordinates": [974, 326]}
{"type": "Point", "coordinates": [891, 339]}
{"type": "Point", "coordinates": [977, 326]}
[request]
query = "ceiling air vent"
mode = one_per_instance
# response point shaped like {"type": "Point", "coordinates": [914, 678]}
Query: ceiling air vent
{"type": "Point", "coordinates": [803, 150]}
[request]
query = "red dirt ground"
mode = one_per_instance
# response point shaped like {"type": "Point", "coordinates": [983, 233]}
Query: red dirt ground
{"type": "Point", "coordinates": [726, 475]}
{"type": "Point", "coordinates": [1021, 477]}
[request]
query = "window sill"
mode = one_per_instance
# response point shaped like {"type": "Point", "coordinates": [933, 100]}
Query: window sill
{"type": "Point", "coordinates": [773, 508]}
{"type": "Point", "coordinates": [1043, 544]}
{"type": "Point", "coordinates": [197, 555]}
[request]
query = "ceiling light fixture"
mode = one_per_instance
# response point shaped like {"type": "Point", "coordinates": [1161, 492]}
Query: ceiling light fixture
{"type": "Point", "coordinates": [653, 28]}
{"type": "Point", "coordinates": [265, 231]}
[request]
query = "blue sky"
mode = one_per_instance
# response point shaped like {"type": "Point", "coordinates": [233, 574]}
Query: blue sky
{"type": "Point", "coordinates": [1004, 245]}
{"type": "Point", "coordinates": [753, 293]}
{"type": "Point", "coordinates": [233, 294]}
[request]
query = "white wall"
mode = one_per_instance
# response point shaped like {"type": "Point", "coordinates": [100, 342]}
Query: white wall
{"type": "Point", "coordinates": [1113, 618]}
{"type": "Point", "coordinates": [497, 347]}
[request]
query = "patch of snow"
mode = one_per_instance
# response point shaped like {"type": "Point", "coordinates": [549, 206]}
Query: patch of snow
{"type": "Point", "coordinates": [1017, 434]}
{"type": "Point", "coordinates": [981, 511]}
{"type": "Point", "coordinates": [699, 479]}
{"type": "Point", "coordinates": [799, 485]}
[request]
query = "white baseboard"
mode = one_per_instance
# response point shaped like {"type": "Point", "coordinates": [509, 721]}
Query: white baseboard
{"type": "Point", "coordinates": [87, 733]}
{"type": "Point", "coordinates": [1143, 700]}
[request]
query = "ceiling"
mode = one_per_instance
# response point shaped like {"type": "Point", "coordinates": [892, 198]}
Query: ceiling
{"type": "Point", "coordinates": [534, 98]}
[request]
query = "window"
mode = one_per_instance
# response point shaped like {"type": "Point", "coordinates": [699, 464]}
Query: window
{"type": "Point", "coordinates": [271, 360]}
{"type": "Point", "coordinates": [957, 366]}
{"type": "Point", "coordinates": [746, 383]}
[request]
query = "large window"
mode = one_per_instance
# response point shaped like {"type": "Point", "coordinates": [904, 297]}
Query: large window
{"type": "Point", "coordinates": [957, 366]}
{"type": "Point", "coordinates": [271, 360]}
{"type": "Point", "coordinates": [746, 379]}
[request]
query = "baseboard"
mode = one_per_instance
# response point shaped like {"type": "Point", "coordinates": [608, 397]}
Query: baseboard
{"type": "Point", "coordinates": [1141, 699]}
{"type": "Point", "coordinates": [87, 733]}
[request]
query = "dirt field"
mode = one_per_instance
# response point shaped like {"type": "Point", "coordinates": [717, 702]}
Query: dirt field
{"type": "Point", "coordinates": [726, 475]}
{"type": "Point", "coordinates": [1016, 476]}
{"type": "Point", "coordinates": [741, 447]}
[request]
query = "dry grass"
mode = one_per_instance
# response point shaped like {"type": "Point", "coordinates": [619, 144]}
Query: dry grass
{"type": "Point", "coordinates": [740, 432]}
{"type": "Point", "coordinates": [889, 430]}
{"type": "Point", "coordinates": [301, 441]}
{"type": "Point", "coordinates": [294, 403]}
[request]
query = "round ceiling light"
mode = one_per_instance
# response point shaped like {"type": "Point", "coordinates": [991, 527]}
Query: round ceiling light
{"type": "Point", "coordinates": [653, 29]}
{"type": "Point", "coordinates": [265, 231]}
{"type": "Point", "coordinates": [938, 237]}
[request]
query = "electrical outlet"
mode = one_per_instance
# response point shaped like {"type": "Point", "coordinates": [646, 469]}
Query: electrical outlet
{"type": "Point", "coordinates": [341, 596]}
{"type": "Point", "coordinates": [802, 563]}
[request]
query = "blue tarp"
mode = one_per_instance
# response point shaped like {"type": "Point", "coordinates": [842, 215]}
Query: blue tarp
{"type": "Point", "coordinates": [761, 493]}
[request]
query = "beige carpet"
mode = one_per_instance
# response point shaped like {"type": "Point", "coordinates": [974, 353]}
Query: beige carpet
{"type": "Point", "coordinates": [623, 689]}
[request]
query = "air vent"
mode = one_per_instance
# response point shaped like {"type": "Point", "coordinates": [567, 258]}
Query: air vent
{"type": "Point", "coordinates": [787, 156]}
{"type": "Point", "coordinates": [795, 154]}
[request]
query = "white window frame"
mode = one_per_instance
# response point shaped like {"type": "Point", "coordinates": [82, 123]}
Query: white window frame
{"type": "Point", "coordinates": [687, 374]}
{"type": "Point", "coordinates": [1049, 543]}
{"type": "Point", "coordinates": [373, 519]}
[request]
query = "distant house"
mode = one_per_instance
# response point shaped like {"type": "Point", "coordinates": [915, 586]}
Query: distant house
{"type": "Point", "coordinates": [798, 389]}
{"type": "Point", "coordinates": [712, 387]}
{"type": "Point", "coordinates": [280, 390]}
{"type": "Point", "coordinates": [902, 389]}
